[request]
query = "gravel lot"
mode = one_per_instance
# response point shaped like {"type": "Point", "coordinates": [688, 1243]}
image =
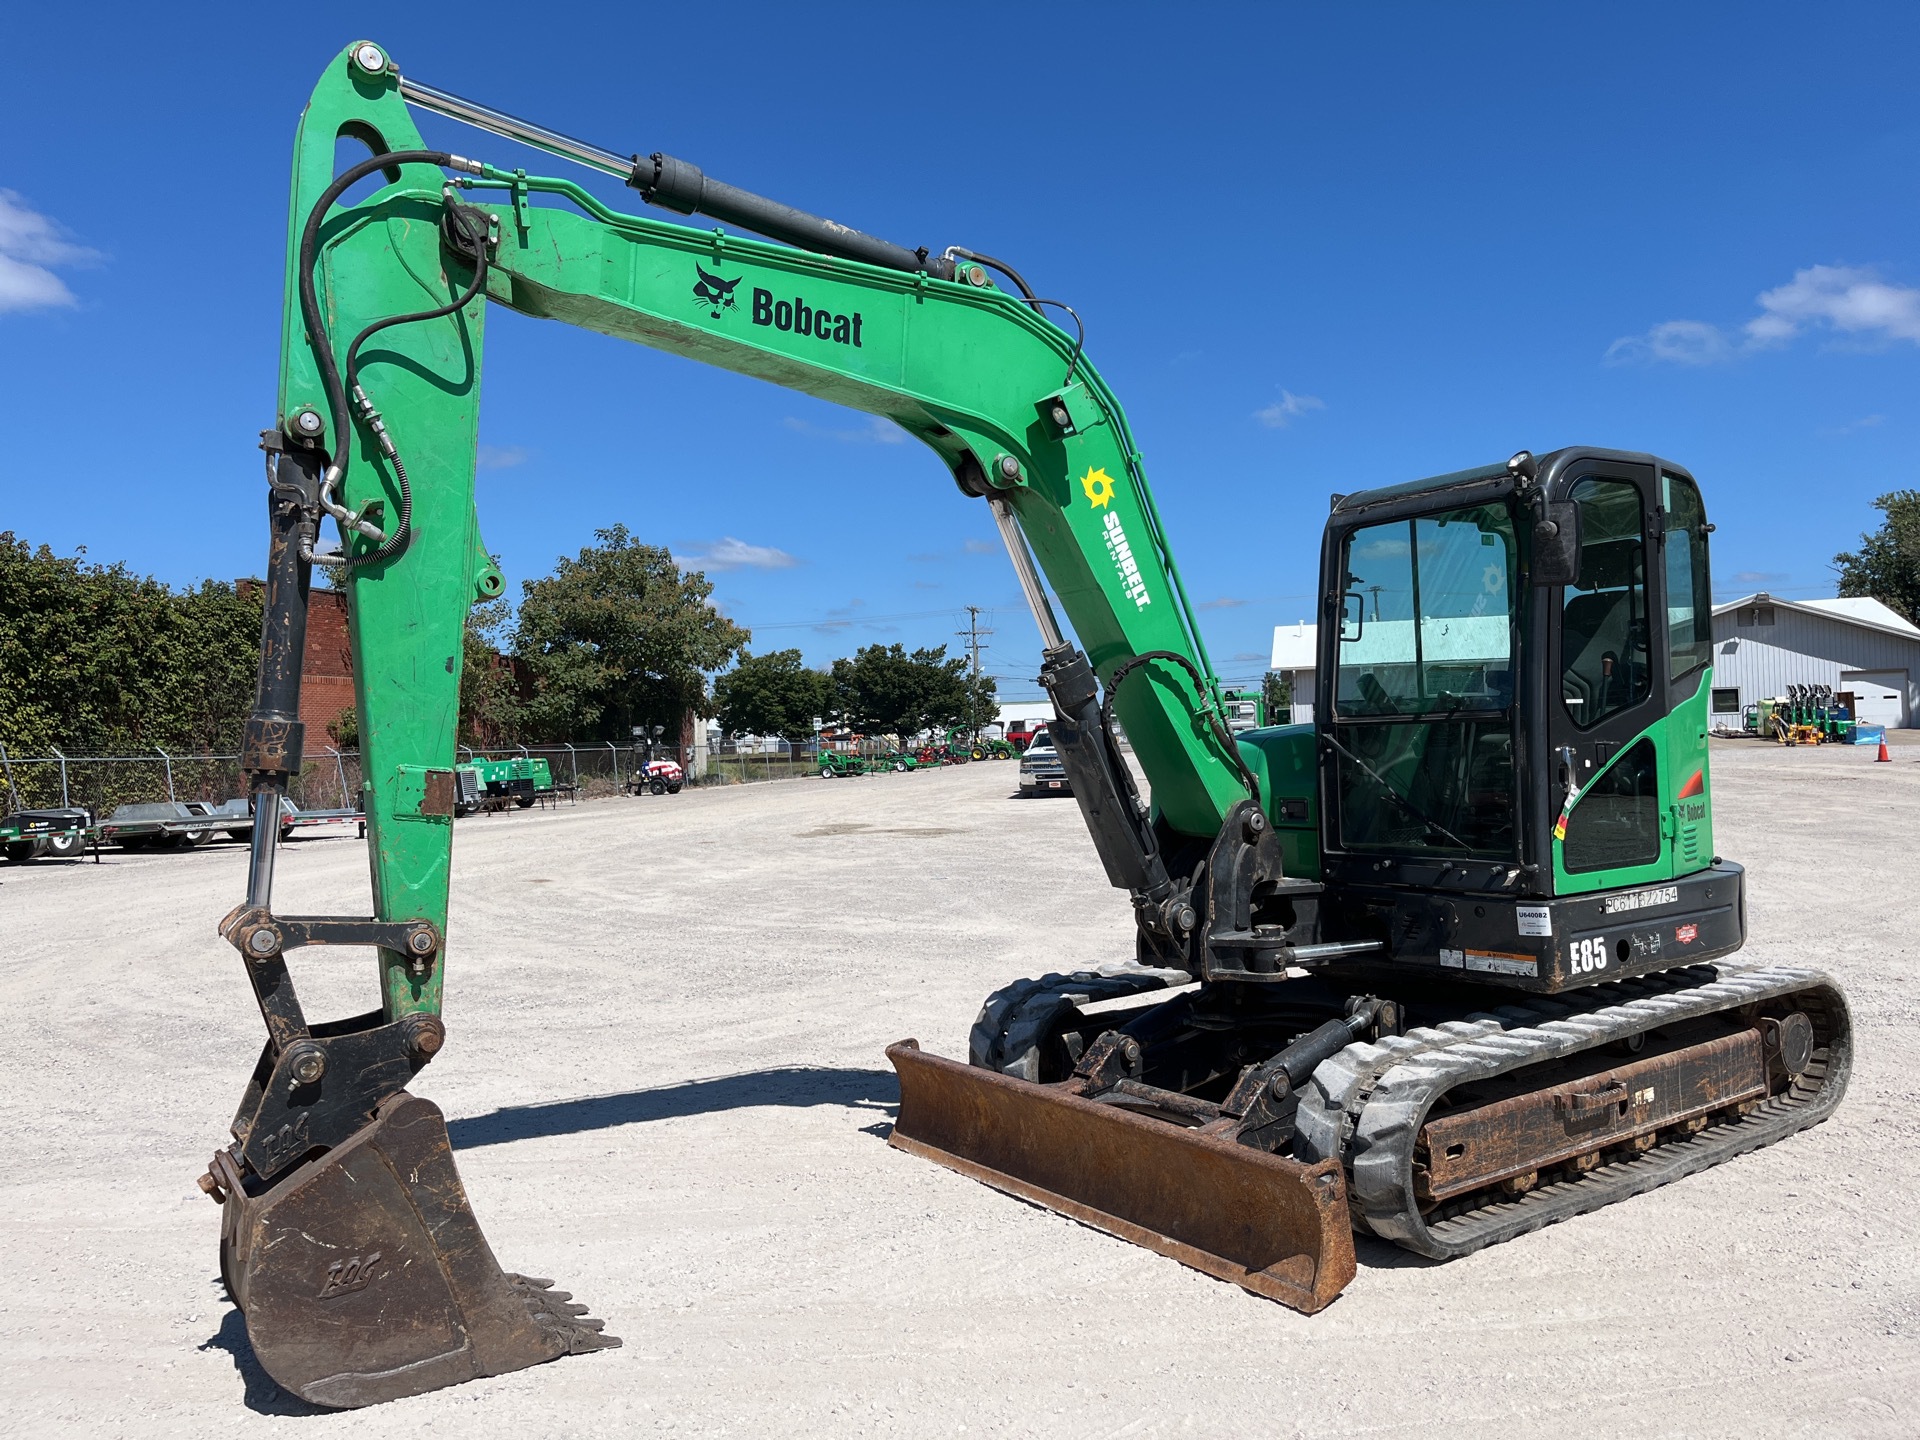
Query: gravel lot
{"type": "Point", "coordinates": [666, 1087]}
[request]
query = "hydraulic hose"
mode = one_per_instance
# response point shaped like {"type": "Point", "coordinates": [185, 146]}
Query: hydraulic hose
{"type": "Point", "coordinates": [330, 377]}
{"type": "Point", "coordinates": [1207, 708]}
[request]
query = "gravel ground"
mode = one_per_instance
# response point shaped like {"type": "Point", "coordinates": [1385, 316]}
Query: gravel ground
{"type": "Point", "coordinates": [666, 1087]}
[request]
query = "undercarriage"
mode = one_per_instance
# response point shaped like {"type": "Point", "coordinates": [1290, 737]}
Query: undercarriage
{"type": "Point", "coordinates": [1446, 1117]}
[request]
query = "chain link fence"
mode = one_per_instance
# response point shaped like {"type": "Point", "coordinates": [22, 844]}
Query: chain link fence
{"type": "Point", "coordinates": [330, 779]}
{"type": "Point", "coordinates": [738, 762]}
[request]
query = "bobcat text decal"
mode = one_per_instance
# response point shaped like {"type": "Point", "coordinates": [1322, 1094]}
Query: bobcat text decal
{"type": "Point", "coordinates": [800, 318]}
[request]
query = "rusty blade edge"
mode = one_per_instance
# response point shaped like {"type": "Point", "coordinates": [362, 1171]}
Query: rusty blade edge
{"type": "Point", "coordinates": [1330, 1252]}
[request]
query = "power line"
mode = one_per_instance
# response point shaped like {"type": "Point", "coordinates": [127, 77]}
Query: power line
{"type": "Point", "coordinates": [838, 622]}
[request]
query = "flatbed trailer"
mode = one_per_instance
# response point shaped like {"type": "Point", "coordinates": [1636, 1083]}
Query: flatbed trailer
{"type": "Point", "coordinates": [187, 824]}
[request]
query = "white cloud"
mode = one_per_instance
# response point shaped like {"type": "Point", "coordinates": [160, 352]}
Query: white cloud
{"type": "Point", "coordinates": [1851, 301]}
{"type": "Point", "coordinates": [727, 553]}
{"type": "Point", "coordinates": [1225, 602]}
{"type": "Point", "coordinates": [978, 547]}
{"type": "Point", "coordinates": [501, 457]}
{"type": "Point", "coordinates": [1865, 422]}
{"type": "Point", "coordinates": [877, 431]}
{"type": "Point", "coordinates": [1846, 300]}
{"type": "Point", "coordinates": [1679, 342]}
{"type": "Point", "coordinates": [1287, 409]}
{"type": "Point", "coordinates": [31, 245]}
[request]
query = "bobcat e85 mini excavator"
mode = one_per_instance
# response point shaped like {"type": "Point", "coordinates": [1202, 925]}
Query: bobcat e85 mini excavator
{"type": "Point", "coordinates": [1440, 965]}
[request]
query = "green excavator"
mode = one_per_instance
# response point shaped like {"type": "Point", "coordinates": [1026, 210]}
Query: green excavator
{"type": "Point", "coordinates": [1446, 965]}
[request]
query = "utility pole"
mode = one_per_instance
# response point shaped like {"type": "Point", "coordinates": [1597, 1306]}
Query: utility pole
{"type": "Point", "coordinates": [972, 635]}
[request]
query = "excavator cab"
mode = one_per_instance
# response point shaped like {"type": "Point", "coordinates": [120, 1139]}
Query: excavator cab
{"type": "Point", "coordinates": [1512, 698]}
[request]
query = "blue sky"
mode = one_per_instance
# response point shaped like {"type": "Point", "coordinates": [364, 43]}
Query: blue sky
{"type": "Point", "coordinates": [1316, 248]}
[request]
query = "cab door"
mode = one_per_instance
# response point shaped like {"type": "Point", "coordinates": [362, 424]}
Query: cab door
{"type": "Point", "coordinates": [1606, 739]}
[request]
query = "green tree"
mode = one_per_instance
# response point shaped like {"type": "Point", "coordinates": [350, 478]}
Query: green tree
{"type": "Point", "coordinates": [96, 660]}
{"type": "Point", "coordinates": [1886, 567]}
{"type": "Point", "coordinates": [490, 702]}
{"type": "Point", "coordinates": [886, 691]}
{"type": "Point", "coordinates": [1277, 691]}
{"type": "Point", "coordinates": [619, 636]}
{"type": "Point", "coordinates": [773, 694]}
{"type": "Point", "coordinates": [982, 704]}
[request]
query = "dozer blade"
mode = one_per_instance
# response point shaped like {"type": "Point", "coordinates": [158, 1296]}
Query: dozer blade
{"type": "Point", "coordinates": [364, 1276]}
{"type": "Point", "coordinates": [1272, 1225]}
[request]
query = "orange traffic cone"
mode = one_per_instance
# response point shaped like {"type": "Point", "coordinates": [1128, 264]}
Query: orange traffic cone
{"type": "Point", "coordinates": [1883, 754]}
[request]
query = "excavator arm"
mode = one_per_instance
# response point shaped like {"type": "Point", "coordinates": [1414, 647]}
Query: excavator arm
{"type": "Point", "coordinates": [339, 1190]}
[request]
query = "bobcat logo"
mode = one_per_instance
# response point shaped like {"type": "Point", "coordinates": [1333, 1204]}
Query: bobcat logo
{"type": "Point", "coordinates": [713, 292]}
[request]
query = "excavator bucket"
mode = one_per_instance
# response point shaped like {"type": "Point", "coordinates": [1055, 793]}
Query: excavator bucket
{"type": "Point", "coordinates": [364, 1276]}
{"type": "Point", "coordinates": [1269, 1224]}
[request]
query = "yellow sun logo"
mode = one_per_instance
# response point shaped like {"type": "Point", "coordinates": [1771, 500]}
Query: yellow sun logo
{"type": "Point", "coordinates": [1099, 487]}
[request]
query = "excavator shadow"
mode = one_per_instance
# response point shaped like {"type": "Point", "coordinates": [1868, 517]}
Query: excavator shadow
{"type": "Point", "coordinates": [262, 1395]}
{"type": "Point", "coordinates": [793, 1086]}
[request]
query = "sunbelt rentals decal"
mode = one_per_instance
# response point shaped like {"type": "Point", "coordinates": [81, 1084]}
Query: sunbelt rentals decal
{"type": "Point", "coordinates": [1099, 488]}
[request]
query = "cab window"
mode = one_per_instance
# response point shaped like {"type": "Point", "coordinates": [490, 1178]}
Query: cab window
{"type": "Point", "coordinates": [1605, 660]}
{"type": "Point", "coordinates": [1689, 593]}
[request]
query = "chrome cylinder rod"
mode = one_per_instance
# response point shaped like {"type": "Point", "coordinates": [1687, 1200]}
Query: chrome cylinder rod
{"type": "Point", "coordinates": [484, 117]}
{"type": "Point", "coordinates": [1024, 567]}
{"type": "Point", "coordinates": [266, 837]}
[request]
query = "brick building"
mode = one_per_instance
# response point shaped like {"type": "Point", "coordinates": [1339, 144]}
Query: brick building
{"type": "Point", "coordinates": [326, 675]}
{"type": "Point", "coordinates": [326, 671]}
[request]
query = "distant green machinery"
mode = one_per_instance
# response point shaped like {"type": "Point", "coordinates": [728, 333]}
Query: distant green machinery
{"type": "Point", "coordinates": [1246, 709]}
{"type": "Point", "coordinates": [484, 784]}
{"type": "Point", "coordinates": [1805, 715]}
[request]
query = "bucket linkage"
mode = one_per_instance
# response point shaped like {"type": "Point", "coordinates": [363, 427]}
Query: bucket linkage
{"type": "Point", "coordinates": [346, 1237]}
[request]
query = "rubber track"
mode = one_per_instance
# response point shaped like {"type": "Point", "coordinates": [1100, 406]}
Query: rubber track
{"type": "Point", "coordinates": [1368, 1103]}
{"type": "Point", "coordinates": [1016, 1019]}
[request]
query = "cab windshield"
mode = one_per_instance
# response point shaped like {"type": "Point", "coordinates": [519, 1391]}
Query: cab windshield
{"type": "Point", "coordinates": [1424, 683]}
{"type": "Point", "coordinates": [1428, 623]}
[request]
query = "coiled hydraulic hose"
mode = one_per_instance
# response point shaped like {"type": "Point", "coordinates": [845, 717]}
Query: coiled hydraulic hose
{"type": "Point", "coordinates": [1208, 710]}
{"type": "Point", "coordinates": [336, 388]}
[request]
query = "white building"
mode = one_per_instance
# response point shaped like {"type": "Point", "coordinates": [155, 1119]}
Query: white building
{"type": "Point", "coordinates": [1293, 657]}
{"type": "Point", "coordinates": [1021, 715]}
{"type": "Point", "coordinates": [1863, 650]}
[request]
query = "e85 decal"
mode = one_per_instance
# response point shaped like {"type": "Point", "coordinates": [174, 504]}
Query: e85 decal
{"type": "Point", "coordinates": [1586, 956]}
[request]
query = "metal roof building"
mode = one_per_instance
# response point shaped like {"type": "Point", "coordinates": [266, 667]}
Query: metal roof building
{"type": "Point", "coordinates": [1762, 644]}
{"type": "Point", "coordinates": [1293, 657]}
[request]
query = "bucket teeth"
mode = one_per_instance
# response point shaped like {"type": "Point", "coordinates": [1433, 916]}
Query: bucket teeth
{"type": "Point", "coordinates": [365, 1277]}
{"type": "Point", "coordinates": [551, 1309]}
